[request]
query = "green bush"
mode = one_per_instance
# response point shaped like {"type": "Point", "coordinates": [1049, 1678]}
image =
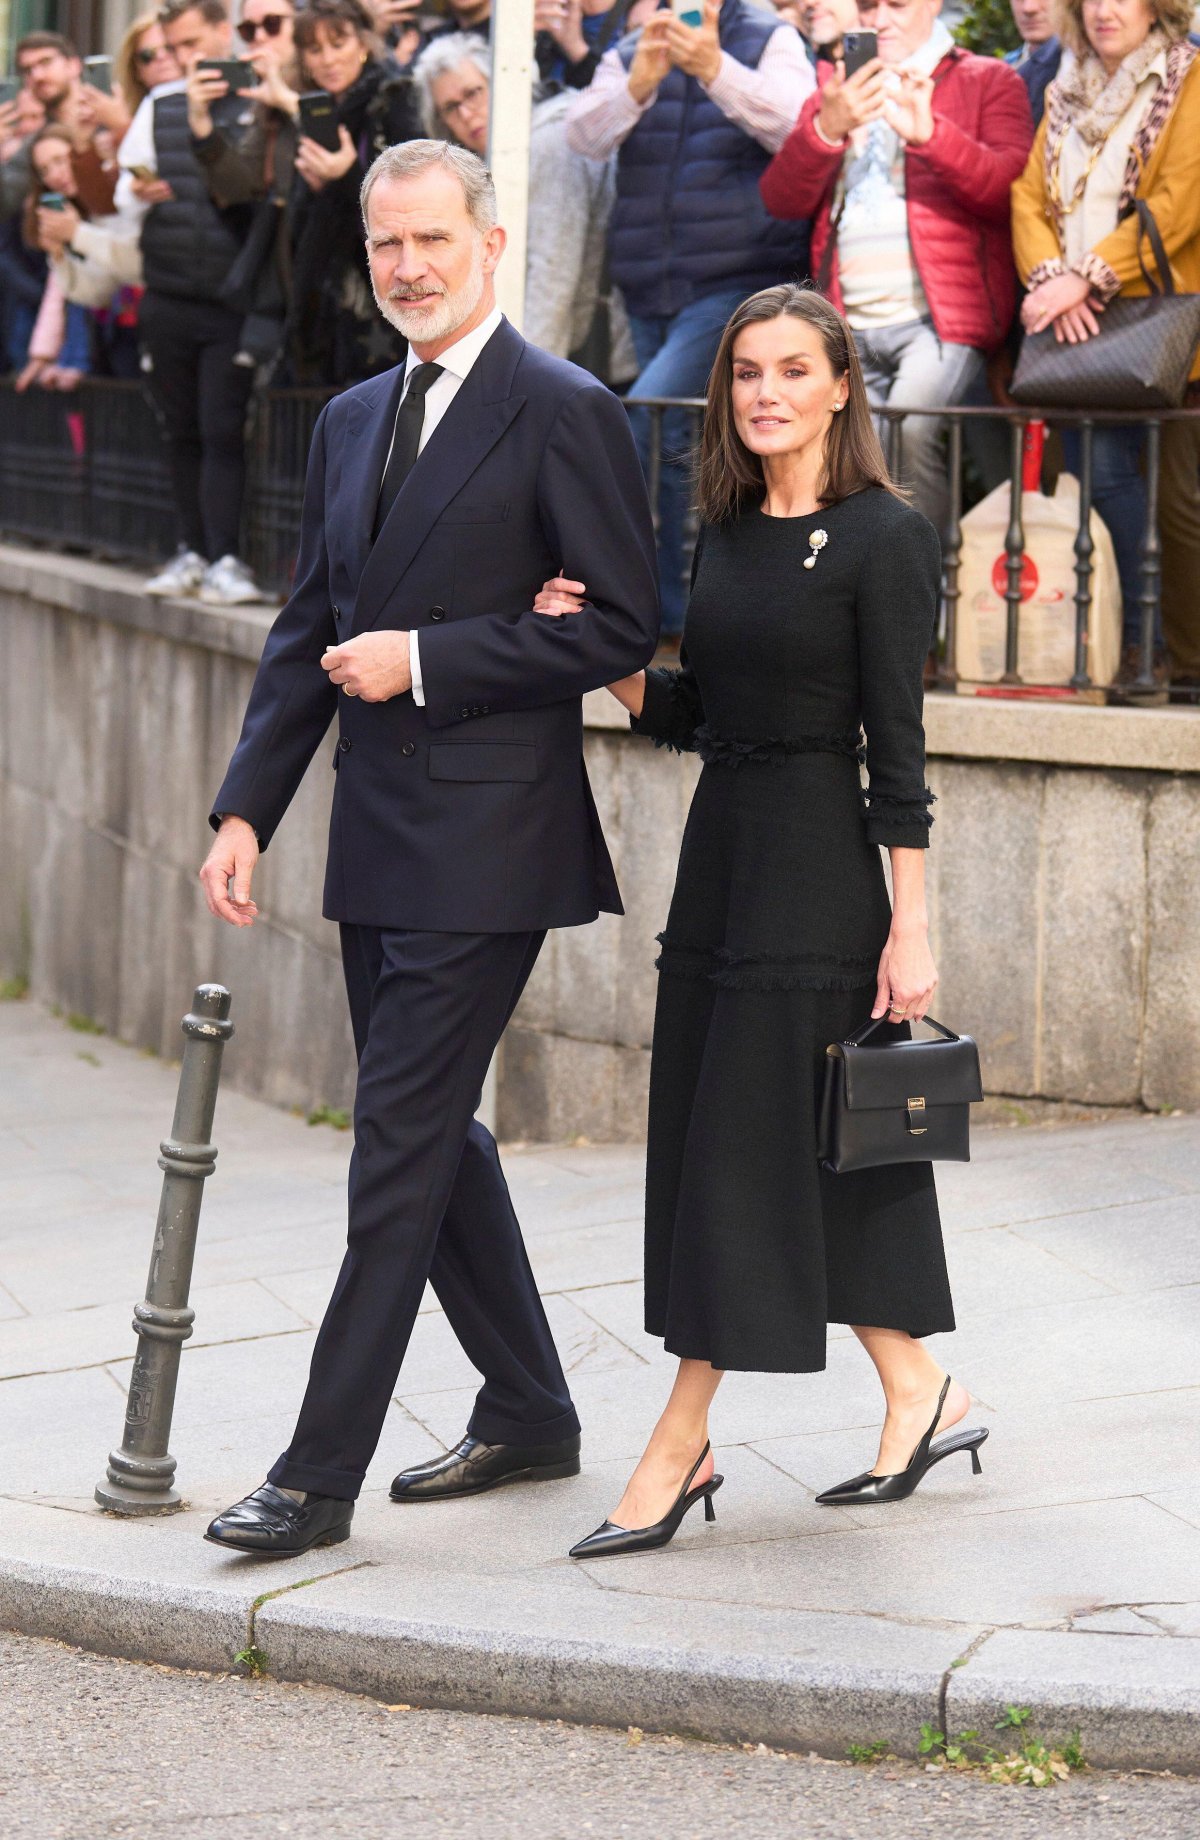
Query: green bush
{"type": "Point", "coordinates": [987, 27]}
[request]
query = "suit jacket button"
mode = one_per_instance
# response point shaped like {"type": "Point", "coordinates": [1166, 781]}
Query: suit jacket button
{"type": "Point", "coordinates": [408, 748]}
{"type": "Point", "coordinates": [437, 613]}
{"type": "Point", "coordinates": [485, 710]}
{"type": "Point", "coordinates": [344, 745]}
{"type": "Point", "coordinates": [464, 712]}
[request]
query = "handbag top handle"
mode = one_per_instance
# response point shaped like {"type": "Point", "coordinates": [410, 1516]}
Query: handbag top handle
{"type": "Point", "coordinates": [859, 1036]}
{"type": "Point", "coordinates": [1148, 228]}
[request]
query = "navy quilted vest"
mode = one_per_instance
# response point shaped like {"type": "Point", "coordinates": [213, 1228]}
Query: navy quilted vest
{"type": "Point", "coordinates": [189, 244]}
{"type": "Point", "coordinates": [688, 219]}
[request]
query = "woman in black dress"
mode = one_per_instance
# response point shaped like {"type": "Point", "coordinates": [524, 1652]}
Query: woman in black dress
{"type": "Point", "coordinates": [814, 599]}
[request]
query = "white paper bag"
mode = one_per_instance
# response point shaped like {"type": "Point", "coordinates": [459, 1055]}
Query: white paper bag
{"type": "Point", "coordinates": [1046, 625]}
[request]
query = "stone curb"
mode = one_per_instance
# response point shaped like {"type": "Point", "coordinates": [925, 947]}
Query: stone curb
{"type": "Point", "coordinates": [1111, 1687]}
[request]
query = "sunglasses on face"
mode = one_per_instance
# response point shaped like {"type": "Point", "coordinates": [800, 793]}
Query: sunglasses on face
{"type": "Point", "coordinates": [270, 23]}
{"type": "Point", "coordinates": [147, 56]}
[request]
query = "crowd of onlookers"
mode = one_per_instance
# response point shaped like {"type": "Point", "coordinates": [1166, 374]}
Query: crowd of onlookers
{"type": "Point", "coordinates": [190, 214]}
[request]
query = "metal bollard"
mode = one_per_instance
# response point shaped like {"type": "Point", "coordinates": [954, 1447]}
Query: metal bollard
{"type": "Point", "coordinates": [140, 1475]}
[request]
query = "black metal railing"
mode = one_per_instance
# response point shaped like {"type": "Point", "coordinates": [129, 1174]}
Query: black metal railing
{"type": "Point", "coordinates": [88, 471]}
{"type": "Point", "coordinates": [1018, 422]}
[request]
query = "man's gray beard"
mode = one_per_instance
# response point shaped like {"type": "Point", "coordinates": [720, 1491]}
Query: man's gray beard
{"type": "Point", "coordinates": [455, 309]}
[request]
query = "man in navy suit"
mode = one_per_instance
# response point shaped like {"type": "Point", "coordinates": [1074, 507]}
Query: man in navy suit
{"type": "Point", "coordinates": [439, 498]}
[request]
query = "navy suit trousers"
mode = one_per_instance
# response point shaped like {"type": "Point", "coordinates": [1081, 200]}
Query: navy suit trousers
{"type": "Point", "coordinates": [427, 1200]}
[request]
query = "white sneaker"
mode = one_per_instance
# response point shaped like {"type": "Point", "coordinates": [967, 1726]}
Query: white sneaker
{"type": "Point", "coordinates": [181, 576]}
{"type": "Point", "coordinates": [229, 583]}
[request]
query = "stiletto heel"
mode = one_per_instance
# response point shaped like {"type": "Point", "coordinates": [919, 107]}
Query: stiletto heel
{"type": "Point", "coordinates": [609, 1539]}
{"type": "Point", "coordinates": [870, 1487]}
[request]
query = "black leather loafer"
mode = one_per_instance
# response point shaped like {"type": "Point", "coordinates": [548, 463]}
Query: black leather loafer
{"type": "Point", "coordinates": [472, 1466]}
{"type": "Point", "coordinates": [271, 1525]}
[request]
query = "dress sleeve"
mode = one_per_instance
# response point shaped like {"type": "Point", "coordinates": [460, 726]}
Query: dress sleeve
{"type": "Point", "coordinates": [897, 604]}
{"type": "Point", "coordinates": [673, 708]}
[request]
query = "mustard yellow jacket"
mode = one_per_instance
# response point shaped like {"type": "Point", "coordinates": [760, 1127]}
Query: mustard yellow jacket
{"type": "Point", "coordinates": [1170, 185]}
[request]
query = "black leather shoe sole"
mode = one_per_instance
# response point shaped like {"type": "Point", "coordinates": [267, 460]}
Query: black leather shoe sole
{"type": "Point", "coordinates": [536, 1472]}
{"type": "Point", "coordinates": [333, 1537]}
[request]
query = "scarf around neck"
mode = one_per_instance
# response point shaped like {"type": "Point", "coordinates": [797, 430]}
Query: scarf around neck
{"type": "Point", "coordinates": [1094, 102]}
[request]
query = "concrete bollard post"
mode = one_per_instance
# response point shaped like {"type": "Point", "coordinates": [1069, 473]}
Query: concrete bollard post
{"type": "Point", "coordinates": [140, 1475]}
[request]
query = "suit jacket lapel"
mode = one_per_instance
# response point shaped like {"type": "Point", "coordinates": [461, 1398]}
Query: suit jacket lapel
{"type": "Point", "coordinates": [470, 428]}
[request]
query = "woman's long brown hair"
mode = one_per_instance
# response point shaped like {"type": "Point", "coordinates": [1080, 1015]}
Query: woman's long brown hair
{"type": "Point", "coordinates": [730, 477]}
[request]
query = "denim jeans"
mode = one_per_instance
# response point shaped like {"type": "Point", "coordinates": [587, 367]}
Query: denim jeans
{"type": "Point", "coordinates": [675, 356]}
{"type": "Point", "coordinates": [909, 367]}
{"type": "Point", "coordinates": [1119, 495]}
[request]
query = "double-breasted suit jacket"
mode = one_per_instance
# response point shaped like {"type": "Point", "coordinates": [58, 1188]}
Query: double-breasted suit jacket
{"type": "Point", "coordinates": [473, 813]}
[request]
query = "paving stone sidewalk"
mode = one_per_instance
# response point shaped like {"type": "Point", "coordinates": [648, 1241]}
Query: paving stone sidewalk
{"type": "Point", "coordinates": [1065, 1578]}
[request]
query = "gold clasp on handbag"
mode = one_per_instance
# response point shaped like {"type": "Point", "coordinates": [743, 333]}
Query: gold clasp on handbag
{"type": "Point", "coordinates": [914, 1106]}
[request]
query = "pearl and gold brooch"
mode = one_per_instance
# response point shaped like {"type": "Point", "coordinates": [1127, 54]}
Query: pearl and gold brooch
{"type": "Point", "coordinates": [816, 542]}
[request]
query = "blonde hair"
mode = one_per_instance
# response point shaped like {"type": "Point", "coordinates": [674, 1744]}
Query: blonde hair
{"type": "Point", "coordinates": [125, 64]}
{"type": "Point", "coordinates": [1174, 16]}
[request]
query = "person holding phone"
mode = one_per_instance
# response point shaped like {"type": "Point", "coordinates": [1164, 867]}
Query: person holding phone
{"type": "Point", "coordinates": [334, 334]}
{"type": "Point", "coordinates": [693, 104]}
{"type": "Point", "coordinates": [905, 167]}
{"type": "Point", "coordinates": [60, 343]}
{"type": "Point", "coordinates": [51, 70]}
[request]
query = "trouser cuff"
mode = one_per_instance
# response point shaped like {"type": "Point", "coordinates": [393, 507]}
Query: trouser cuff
{"type": "Point", "coordinates": [342, 1484]}
{"type": "Point", "coordinates": [491, 1428]}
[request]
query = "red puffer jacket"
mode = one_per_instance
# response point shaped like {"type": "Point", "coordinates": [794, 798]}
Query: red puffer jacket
{"type": "Point", "coordinates": [957, 186]}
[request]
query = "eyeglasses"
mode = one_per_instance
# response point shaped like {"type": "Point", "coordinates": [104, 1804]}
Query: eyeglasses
{"type": "Point", "coordinates": [270, 23]}
{"type": "Point", "coordinates": [468, 100]}
{"type": "Point", "coordinates": [146, 56]}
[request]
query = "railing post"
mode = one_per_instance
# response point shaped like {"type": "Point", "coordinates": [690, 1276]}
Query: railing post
{"type": "Point", "coordinates": [1014, 554]}
{"type": "Point", "coordinates": [140, 1475]}
{"type": "Point", "coordinates": [1084, 548]}
{"type": "Point", "coordinates": [952, 554]}
{"type": "Point", "coordinates": [1150, 560]}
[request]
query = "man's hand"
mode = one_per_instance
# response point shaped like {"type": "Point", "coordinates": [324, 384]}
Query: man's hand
{"type": "Point", "coordinates": [374, 666]}
{"type": "Point", "coordinates": [910, 110]}
{"type": "Point", "coordinates": [272, 89]}
{"type": "Point", "coordinates": [651, 58]}
{"type": "Point", "coordinates": [231, 859]}
{"type": "Point", "coordinates": [851, 102]}
{"type": "Point", "coordinates": [55, 229]}
{"type": "Point", "coordinates": [696, 50]}
{"type": "Point", "coordinates": [204, 87]}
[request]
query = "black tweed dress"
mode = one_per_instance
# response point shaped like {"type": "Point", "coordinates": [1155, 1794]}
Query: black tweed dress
{"type": "Point", "coordinates": [779, 917]}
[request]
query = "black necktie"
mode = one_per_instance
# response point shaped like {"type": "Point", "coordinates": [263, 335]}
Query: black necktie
{"type": "Point", "coordinates": [410, 419]}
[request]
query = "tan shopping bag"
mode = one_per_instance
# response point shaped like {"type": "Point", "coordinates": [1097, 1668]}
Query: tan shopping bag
{"type": "Point", "coordinates": [1046, 629]}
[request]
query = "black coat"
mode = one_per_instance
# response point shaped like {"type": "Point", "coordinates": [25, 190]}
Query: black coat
{"type": "Point", "coordinates": [472, 814]}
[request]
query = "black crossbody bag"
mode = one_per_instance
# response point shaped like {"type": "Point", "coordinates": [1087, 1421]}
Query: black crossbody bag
{"type": "Point", "coordinates": [898, 1101]}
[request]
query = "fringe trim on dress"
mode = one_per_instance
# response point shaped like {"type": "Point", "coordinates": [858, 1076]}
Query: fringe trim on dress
{"type": "Point", "coordinates": [773, 750]}
{"type": "Point", "coordinates": [899, 808]}
{"type": "Point", "coordinates": [727, 970]}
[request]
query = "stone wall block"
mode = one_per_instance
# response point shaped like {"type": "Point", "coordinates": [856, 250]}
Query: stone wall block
{"type": "Point", "coordinates": [29, 691]}
{"type": "Point", "coordinates": [657, 792]}
{"type": "Point", "coordinates": [1093, 936]}
{"type": "Point", "coordinates": [555, 1089]}
{"type": "Point", "coordinates": [632, 1095]}
{"type": "Point", "coordinates": [523, 1083]}
{"type": "Point", "coordinates": [536, 1008]}
{"type": "Point", "coordinates": [75, 903]}
{"type": "Point", "coordinates": [1171, 1068]}
{"type": "Point", "coordinates": [984, 860]}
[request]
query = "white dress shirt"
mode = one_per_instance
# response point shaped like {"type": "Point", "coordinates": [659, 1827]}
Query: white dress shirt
{"type": "Point", "coordinates": [456, 362]}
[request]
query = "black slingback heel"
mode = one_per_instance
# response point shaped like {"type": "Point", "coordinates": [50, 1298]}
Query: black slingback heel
{"type": "Point", "coordinates": [870, 1487]}
{"type": "Point", "coordinates": [609, 1539]}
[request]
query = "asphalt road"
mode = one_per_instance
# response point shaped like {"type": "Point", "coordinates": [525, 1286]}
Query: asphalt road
{"type": "Point", "coordinates": [91, 1747]}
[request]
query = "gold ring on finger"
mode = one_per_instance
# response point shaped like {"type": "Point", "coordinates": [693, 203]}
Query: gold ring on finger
{"type": "Point", "coordinates": [349, 691]}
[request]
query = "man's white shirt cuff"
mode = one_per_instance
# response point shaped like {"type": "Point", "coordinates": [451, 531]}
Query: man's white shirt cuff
{"type": "Point", "coordinates": [414, 665]}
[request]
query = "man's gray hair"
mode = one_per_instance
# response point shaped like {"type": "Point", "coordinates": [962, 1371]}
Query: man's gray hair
{"type": "Point", "coordinates": [413, 157]}
{"type": "Point", "coordinates": [439, 58]}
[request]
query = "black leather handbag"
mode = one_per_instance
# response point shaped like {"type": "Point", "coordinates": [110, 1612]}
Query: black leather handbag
{"type": "Point", "coordinates": [1140, 359]}
{"type": "Point", "coordinates": [898, 1101]}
